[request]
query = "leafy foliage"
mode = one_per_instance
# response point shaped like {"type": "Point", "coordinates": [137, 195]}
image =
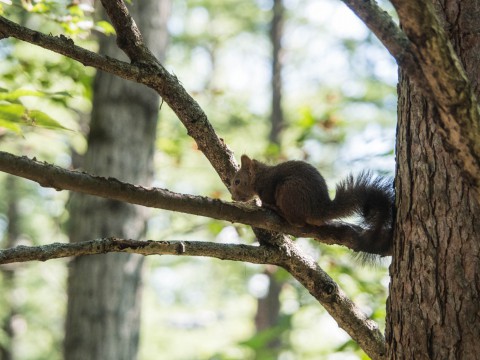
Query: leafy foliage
{"type": "Point", "coordinates": [13, 113]}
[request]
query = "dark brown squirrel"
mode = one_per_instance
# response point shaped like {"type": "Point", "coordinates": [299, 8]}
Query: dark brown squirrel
{"type": "Point", "coordinates": [299, 193]}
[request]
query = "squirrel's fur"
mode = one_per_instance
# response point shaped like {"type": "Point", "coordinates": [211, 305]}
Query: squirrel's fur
{"type": "Point", "coordinates": [298, 192]}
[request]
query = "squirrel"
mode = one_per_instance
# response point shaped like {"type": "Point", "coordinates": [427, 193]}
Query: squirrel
{"type": "Point", "coordinates": [298, 192]}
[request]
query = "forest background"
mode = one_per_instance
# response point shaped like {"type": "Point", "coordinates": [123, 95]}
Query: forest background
{"type": "Point", "coordinates": [339, 103]}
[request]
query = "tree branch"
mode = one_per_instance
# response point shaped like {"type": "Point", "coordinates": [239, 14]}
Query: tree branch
{"type": "Point", "coordinates": [362, 330]}
{"type": "Point", "coordinates": [235, 252]}
{"type": "Point", "coordinates": [145, 70]}
{"type": "Point", "coordinates": [288, 256]}
{"type": "Point", "coordinates": [221, 158]}
{"type": "Point", "coordinates": [65, 46]}
{"type": "Point", "coordinates": [168, 87]}
{"type": "Point", "coordinates": [129, 38]}
{"type": "Point", "coordinates": [48, 175]}
{"type": "Point", "coordinates": [391, 36]}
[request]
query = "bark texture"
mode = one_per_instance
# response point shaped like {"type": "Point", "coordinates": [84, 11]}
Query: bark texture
{"type": "Point", "coordinates": [433, 309]}
{"type": "Point", "coordinates": [458, 117]}
{"type": "Point", "coordinates": [104, 290]}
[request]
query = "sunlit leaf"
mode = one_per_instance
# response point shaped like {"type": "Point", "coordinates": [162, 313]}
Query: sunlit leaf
{"type": "Point", "coordinates": [105, 27]}
{"type": "Point", "coordinates": [16, 128]}
{"type": "Point", "coordinates": [39, 8]}
{"type": "Point", "coordinates": [15, 94]}
{"type": "Point", "coordinates": [40, 118]}
{"type": "Point", "coordinates": [306, 119]}
{"type": "Point", "coordinates": [11, 112]}
{"type": "Point", "coordinates": [215, 227]}
{"type": "Point", "coordinates": [76, 10]}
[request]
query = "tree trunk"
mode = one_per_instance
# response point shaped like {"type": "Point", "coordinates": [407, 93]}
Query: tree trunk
{"type": "Point", "coordinates": [104, 291]}
{"type": "Point", "coordinates": [276, 33]}
{"type": "Point", "coordinates": [268, 307]}
{"type": "Point", "coordinates": [8, 272]}
{"type": "Point", "coordinates": [434, 307]}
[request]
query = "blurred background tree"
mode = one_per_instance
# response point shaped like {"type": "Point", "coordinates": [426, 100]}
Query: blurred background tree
{"type": "Point", "coordinates": [338, 108]}
{"type": "Point", "coordinates": [104, 291]}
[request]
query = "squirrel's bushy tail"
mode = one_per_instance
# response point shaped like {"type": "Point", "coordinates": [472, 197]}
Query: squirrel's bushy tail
{"type": "Point", "coordinates": [371, 197]}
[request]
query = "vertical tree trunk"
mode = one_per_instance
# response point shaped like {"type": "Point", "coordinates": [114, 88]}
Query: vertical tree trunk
{"type": "Point", "coordinates": [434, 307]}
{"type": "Point", "coordinates": [276, 33]}
{"type": "Point", "coordinates": [8, 272]}
{"type": "Point", "coordinates": [268, 307]}
{"type": "Point", "coordinates": [104, 291]}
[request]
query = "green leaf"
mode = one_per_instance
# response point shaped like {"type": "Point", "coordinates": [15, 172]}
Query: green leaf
{"type": "Point", "coordinates": [215, 227]}
{"type": "Point", "coordinates": [12, 112]}
{"type": "Point", "coordinates": [12, 115]}
{"type": "Point", "coordinates": [39, 118]}
{"type": "Point", "coordinates": [16, 94]}
{"type": "Point", "coordinates": [10, 126]}
{"type": "Point", "coordinates": [76, 10]}
{"type": "Point", "coordinates": [105, 27]}
{"type": "Point", "coordinates": [306, 120]}
{"type": "Point", "coordinates": [39, 8]}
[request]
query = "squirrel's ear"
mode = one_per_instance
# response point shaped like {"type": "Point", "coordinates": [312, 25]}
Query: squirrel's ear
{"type": "Point", "coordinates": [246, 162]}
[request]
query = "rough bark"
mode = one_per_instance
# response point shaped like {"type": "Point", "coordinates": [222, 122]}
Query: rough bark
{"type": "Point", "coordinates": [104, 291]}
{"type": "Point", "coordinates": [433, 308]}
{"type": "Point", "coordinates": [458, 119]}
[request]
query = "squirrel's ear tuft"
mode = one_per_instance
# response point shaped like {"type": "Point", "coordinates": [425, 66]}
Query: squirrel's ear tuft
{"type": "Point", "coordinates": [245, 160]}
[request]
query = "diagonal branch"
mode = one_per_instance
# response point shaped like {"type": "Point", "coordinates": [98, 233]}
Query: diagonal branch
{"type": "Point", "coordinates": [391, 36]}
{"type": "Point", "coordinates": [168, 87]}
{"type": "Point", "coordinates": [129, 38]}
{"type": "Point", "coordinates": [65, 46]}
{"type": "Point", "coordinates": [145, 70]}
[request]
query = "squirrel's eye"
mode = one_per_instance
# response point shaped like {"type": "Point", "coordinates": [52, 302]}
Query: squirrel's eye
{"type": "Point", "coordinates": [237, 182]}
